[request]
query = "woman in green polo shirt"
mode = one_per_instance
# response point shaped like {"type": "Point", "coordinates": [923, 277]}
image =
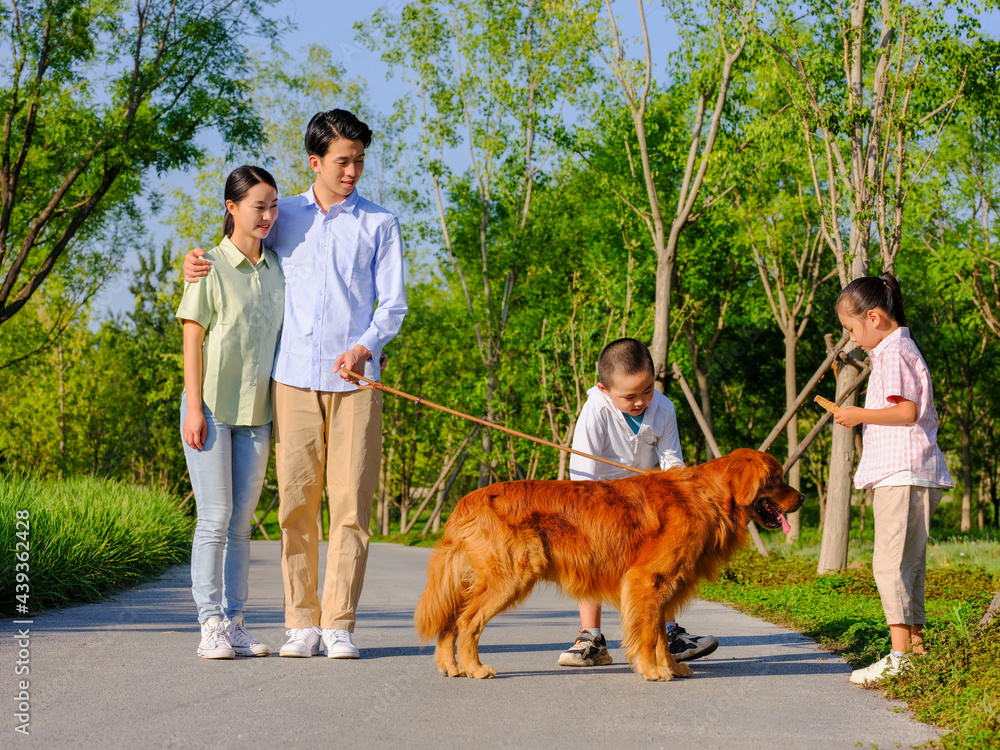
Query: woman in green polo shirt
{"type": "Point", "coordinates": [232, 319]}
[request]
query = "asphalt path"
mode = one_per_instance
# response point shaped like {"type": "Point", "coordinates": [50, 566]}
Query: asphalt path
{"type": "Point", "coordinates": [123, 673]}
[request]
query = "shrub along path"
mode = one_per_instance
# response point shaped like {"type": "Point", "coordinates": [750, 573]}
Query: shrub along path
{"type": "Point", "coordinates": [123, 673]}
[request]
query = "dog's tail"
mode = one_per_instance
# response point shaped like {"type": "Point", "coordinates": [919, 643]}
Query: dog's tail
{"type": "Point", "coordinates": [442, 599]}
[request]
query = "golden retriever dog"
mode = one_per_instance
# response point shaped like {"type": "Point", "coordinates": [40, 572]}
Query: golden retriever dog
{"type": "Point", "coordinates": [641, 544]}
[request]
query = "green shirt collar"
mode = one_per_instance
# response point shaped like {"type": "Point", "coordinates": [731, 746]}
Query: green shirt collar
{"type": "Point", "coordinates": [232, 253]}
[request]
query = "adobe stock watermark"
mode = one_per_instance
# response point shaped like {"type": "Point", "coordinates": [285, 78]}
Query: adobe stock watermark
{"type": "Point", "coordinates": [22, 592]}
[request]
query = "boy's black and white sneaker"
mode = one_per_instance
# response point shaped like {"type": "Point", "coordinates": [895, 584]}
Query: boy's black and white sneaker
{"type": "Point", "coordinates": [685, 647]}
{"type": "Point", "coordinates": [589, 651]}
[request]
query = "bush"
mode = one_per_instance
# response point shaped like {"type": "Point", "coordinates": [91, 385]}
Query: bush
{"type": "Point", "coordinates": [88, 537]}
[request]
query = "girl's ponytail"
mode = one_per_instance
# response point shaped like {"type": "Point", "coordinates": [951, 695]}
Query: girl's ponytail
{"type": "Point", "coordinates": [894, 299]}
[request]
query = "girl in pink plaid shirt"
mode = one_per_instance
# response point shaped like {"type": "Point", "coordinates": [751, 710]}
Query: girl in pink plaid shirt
{"type": "Point", "coordinates": [901, 458]}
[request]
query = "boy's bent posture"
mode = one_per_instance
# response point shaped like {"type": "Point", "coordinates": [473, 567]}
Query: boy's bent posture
{"type": "Point", "coordinates": [625, 420]}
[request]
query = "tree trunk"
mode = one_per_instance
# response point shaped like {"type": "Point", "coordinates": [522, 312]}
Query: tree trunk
{"type": "Point", "coordinates": [387, 506]}
{"type": "Point", "coordinates": [492, 385]}
{"type": "Point", "coordinates": [660, 345]}
{"type": "Point", "coordinates": [794, 477]}
{"type": "Point", "coordinates": [995, 498]}
{"type": "Point", "coordinates": [563, 455]}
{"type": "Point", "coordinates": [840, 484]}
{"type": "Point", "coordinates": [966, 439]}
{"type": "Point", "coordinates": [981, 514]}
{"type": "Point", "coordinates": [991, 611]}
{"type": "Point", "coordinates": [404, 506]}
{"type": "Point", "coordinates": [380, 504]}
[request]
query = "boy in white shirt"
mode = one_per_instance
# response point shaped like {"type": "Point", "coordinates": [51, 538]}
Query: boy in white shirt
{"type": "Point", "coordinates": [625, 420]}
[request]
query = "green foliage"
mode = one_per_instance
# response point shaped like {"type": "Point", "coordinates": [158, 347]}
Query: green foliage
{"type": "Point", "coordinates": [103, 402]}
{"type": "Point", "coordinates": [95, 96]}
{"type": "Point", "coordinates": [86, 538]}
{"type": "Point", "coordinates": [955, 684]}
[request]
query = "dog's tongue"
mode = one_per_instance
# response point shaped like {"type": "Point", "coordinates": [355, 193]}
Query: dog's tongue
{"type": "Point", "coordinates": [785, 526]}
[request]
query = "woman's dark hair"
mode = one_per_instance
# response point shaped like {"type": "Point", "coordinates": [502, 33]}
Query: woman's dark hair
{"type": "Point", "coordinates": [326, 127]}
{"type": "Point", "coordinates": [870, 292]}
{"type": "Point", "coordinates": [623, 357]}
{"type": "Point", "coordinates": [238, 183]}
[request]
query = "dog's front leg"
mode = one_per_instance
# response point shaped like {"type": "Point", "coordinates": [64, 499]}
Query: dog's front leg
{"type": "Point", "coordinates": [665, 659]}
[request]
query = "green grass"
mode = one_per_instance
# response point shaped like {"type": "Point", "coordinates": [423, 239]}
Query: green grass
{"type": "Point", "coordinates": [956, 686]}
{"type": "Point", "coordinates": [87, 538]}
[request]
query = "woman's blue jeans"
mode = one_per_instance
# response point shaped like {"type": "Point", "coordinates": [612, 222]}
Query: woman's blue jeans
{"type": "Point", "coordinates": [227, 476]}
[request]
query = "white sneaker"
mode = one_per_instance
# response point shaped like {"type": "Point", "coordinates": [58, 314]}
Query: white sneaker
{"type": "Point", "coordinates": [339, 644]}
{"type": "Point", "coordinates": [889, 665]}
{"type": "Point", "coordinates": [242, 640]}
{"type": "Point", "coordinates": [215, 640]}
{"type": "Point", "coordinates": [301, 642]}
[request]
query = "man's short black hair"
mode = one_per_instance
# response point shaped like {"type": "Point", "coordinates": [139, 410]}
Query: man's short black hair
{"type": "Point", "coordinates": [623, 357]}
{"type": "Point", "coordinates": [326, 127]}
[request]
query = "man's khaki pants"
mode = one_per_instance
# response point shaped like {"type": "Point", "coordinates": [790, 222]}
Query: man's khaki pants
{"type": "Point", "coordinates": [902, 527]}
{"type": "Point", "coordinates": [344, 431]}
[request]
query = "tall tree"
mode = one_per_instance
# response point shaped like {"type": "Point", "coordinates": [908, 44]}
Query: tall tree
{"type": "Point", "coordinates": [95, 95]}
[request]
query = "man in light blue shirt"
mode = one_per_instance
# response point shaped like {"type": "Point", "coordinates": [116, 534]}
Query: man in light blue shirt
{"type": "Point", "coordinates": [344, 300]}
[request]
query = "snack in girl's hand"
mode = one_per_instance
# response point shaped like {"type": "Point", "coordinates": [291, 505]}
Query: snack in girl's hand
{"type": "Point", "coordinates": [827, 404]}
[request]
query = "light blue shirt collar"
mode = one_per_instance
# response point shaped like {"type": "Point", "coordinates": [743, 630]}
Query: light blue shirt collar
{"type": "Point", "coordinates": [346, 206]}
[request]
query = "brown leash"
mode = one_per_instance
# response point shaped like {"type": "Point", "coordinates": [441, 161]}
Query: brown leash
{"type": "Point", "coordinates": [424, 402]}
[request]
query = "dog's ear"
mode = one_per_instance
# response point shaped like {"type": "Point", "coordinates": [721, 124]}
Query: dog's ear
{"type": "Point", "coordinates": [747, 472]}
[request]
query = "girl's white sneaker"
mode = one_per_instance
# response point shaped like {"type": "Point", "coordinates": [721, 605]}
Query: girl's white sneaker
{"type": "Point", "coordinates": [243, 641]}
{"type": "Point", "coordinates": [888, 665]}
{"type": "Point", "coordinates": [215, 640]}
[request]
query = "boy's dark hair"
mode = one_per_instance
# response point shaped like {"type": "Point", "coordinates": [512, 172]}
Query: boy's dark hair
{"type": "Point", "coordinates": [623, 357]}
{"type": "Point", "coordinates": [238, 183]}
{"type": "Point", "coordinates": [870, 292]}
{"type": "Point", "coordinates": [326, 127]}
